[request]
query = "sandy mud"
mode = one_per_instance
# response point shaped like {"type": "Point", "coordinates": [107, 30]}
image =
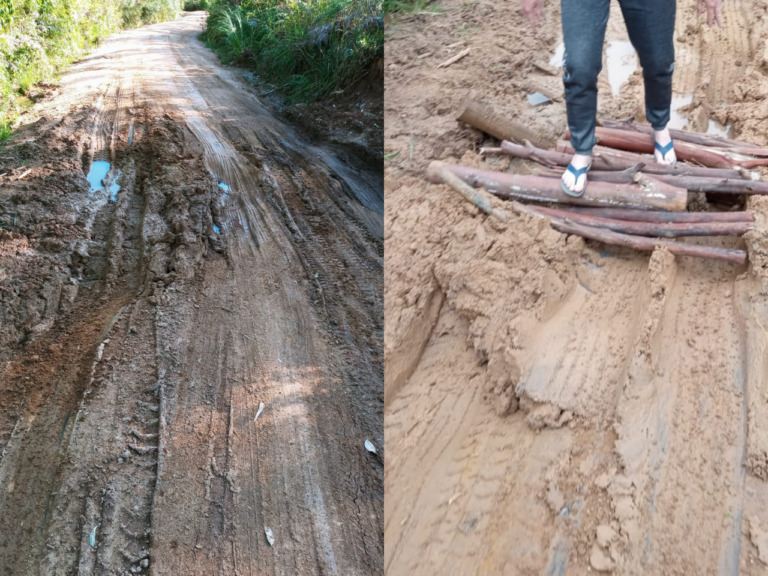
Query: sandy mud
{"type": "Point", "coordinates": [556, 406]}
{"type": "Point", "coordinates": [190, 328]}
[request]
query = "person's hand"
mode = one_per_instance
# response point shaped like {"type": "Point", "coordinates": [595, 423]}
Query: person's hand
{"type": "Point", "coordinates": [713, 7]}
{"type": "Point", "coordinates": [532, 10]}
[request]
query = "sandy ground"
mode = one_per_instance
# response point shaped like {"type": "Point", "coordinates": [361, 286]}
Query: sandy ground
{"type": "Point", "coordinates": [555, 406]}
{"type": "Point", "coordinates": [223, 263]}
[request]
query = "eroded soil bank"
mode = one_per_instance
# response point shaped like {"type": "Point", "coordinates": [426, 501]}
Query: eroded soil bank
{"type": "Point", "coordinates": [190, 328]}
{"type": "Point", "coordinates": [555, 406]}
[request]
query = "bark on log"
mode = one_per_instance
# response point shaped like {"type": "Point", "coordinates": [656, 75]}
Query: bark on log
{"type": "Point", "coordinates": [661, 217]}
{"type": "Point", "coordinates": [653, 229]}
{"type": "Point", "coordinates": [614, 157]}
{"type": "Point", "coordinates": [606, 236]}
{"type": "Point", "coordinates": [648, 194]}
{"type": "Point", "coordinates": [485, 118]}
{"type": "Point", "coordinates": [473, 196]}
{"type": "Point", "coordinates": [690, 183]}
{"type": "Point", "coordinates": [610, 161]}
{"type": "Point", "coordinates": [648, 244]}
{"type": "Point", "coordinates": [637, 242]}
{"type": "Point", "coordinates": [637, 142]}
{"type": "Point", "coordinates": [692, 137]}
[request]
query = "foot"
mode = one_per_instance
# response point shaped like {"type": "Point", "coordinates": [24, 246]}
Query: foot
{"type": "Point", "coordinates": [663, 138]}
{"type": "Point", "coordinates": [577, 185]}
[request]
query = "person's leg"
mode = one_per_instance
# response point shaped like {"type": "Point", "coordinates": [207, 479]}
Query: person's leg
{"type": "Point", "coordinates": [651, 27]}
{"type": "Point", "coordinates": [584, 23]}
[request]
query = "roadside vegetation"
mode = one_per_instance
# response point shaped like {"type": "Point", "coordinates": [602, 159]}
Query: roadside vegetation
{"type": "Point", "coordinates": [308, 50]}
{"type": "Point", "coordinates": [39, 37]}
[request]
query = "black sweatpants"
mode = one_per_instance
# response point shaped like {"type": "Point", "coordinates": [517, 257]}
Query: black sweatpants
{"type": "Point", "coordinates": [651, 26]}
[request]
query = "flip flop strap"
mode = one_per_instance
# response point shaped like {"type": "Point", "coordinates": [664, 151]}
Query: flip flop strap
{"type": "Point", "coordinates": [663, 149]}
{"type": "Point", "coordinates": [577, 172]}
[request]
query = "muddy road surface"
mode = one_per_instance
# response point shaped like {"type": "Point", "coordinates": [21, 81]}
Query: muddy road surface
{"type": "Point", "coordinates": [190, 328]}
{"type": "Point", "coordinates": [555, 406]}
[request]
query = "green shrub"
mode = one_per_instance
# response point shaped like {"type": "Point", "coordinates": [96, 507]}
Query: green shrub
{"type": "Point", "coordinates": [309, 49]}
{"type": "Point", "coordinates": [193, 5]}
{"type": "Point", "coordinates": [39, 37]}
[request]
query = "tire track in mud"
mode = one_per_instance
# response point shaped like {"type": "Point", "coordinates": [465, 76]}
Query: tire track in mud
{"type": "Point", "coordinates": [167, 469]}
{"type": "Point", "coordinates": [578, 357]}
{"type": "Point", "coordinates": [662, 363]}
{"type": "Point", "coordinates": [468, 505]}
{"type": "Point", "coordinates": [286, 309]}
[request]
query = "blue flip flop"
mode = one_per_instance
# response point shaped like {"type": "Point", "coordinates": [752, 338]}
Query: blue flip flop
{"type": "Point", "coordinates": [578, 173]}
{"type": "Point", "coordinates": [665, 149]}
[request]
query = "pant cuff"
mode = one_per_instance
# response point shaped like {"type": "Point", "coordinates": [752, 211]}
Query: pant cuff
{"type": "Point", "coordinates": [585, 152]}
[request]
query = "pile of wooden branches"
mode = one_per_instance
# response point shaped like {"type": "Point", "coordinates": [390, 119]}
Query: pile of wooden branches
{"type": "Point", "coordinates": [630, 199]}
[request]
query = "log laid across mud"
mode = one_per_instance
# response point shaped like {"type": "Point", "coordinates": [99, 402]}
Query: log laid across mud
{"type": "Point", "coordinates": [661, 217]}
{"type": "Point", "coordinates": [486, 119]}
{"type": "Point", "coordinates": [612, 160]}
{"type": "Point", "coordinates": [441, 172]}
{"type": "Point", "coordinates": [682, 135]}
{"type": "Point", "coordinates": [690, 183]}
{"type": "Point", "coordinates": [648, 244]}
{"type": "Point", "coordinates": [652, 229]}
{"type": "Point", "coordinates": [648, 194]}
{"type": "Point", "coordinates": [710, 157]}
{"type": "Point", "coordinates": [678, 248]}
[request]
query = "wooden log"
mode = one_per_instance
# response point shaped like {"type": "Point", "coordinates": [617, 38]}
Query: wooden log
{"type": "Point", "coordinates": [653, 229]}
{"type": "Point", "coordinates": [712, 158]}
{"type": "Point", "coordinates": [473, 196]}
{"type": "Point", "coordinates": [608, 162]}
{"type": "Point", "coordinates": [648, 194]}
{"type": "Point", "coordinates": [692, 137]}
{"type": "Point", "coordinates": [488, 120]}
{"type": "Point", "coordinates": [661, 217]}
{"type": "Point", "coordinates": [643, 143]}
{"type": "Point", "coordinates": [648, 244]}
{"type": "Point", "coordinates": [606, 236]}
{"type": "Point", "coordinates": [611, 156]}
{"type": "Point", "coordinates": [690, 183]}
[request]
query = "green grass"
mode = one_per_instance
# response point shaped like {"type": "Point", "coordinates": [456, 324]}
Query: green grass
{"type": "Point", "coordinates": [308, 49]}
{"type": "Point", "coordinates": [392, 6]}
{"type": "Point", "coordinates": [38, 38]}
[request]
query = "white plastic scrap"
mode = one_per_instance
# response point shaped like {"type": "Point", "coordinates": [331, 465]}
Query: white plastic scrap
{"type": "Point", "coordinates": [370, 447]}
{"type": "Point", "coordinates": [261, 407]}
{"type": "Point", "coordinates": [270, 536]}
{"type": "Point", "coordinates": [92, 537]}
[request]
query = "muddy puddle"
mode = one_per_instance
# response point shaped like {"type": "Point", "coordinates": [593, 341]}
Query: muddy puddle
{"type": "Point", "coordinates": [621, 60]}
{"type": "Point", "coordinates": [679, 118]}
{"type": "Point", "coordinates": [99, 171]}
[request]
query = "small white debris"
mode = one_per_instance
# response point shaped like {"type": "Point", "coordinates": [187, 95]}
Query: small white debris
{"type": "Point", "coordinates": [261, 407]}
{"type": "Point", "coordinates": [370, 447]}
{"type": "Point", "coordinates": [92, 537]}
{"type": "Point", "coordinates": [270, 536]}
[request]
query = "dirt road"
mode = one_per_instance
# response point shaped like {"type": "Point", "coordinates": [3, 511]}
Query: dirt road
{"type": "Point", "coordinates": [555, 406]}
{"type": "Point", "coordinates": [191, 338]}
